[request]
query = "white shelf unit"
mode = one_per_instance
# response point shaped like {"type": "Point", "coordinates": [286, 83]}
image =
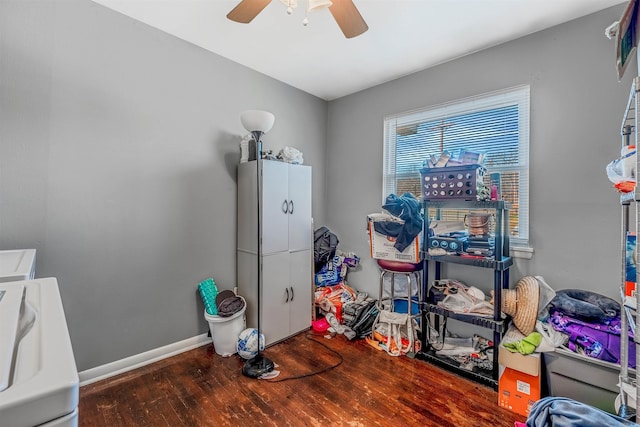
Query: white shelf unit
{"type": "Point", "coordinates": [629, 386]}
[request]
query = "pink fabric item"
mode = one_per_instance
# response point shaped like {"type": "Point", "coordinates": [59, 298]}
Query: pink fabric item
{"type": "Point", "coordinates": [320, 325]}
{"type": "Point", "coordinates": [519, 424]}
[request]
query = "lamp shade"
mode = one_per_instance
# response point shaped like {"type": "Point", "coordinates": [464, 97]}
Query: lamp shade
{"type": "Point", "coordinates": [257, 120]}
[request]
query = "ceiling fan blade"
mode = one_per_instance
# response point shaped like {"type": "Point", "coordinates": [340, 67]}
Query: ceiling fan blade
{"type": "Point", "coordinates": [246, 10]}
{"type": "Point", "coordinates": [348, 18]}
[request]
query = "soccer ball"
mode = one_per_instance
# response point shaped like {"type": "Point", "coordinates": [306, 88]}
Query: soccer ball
{"type": "Point", "coordinates": [248, 343]}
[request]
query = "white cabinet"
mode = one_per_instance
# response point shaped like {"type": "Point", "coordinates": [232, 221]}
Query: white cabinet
{"type": "Point", "coordinates": [285, 295]}
{"type": "Point", "coordinates": [287, 247]}
{"type": "Point", "coordinates": [285, 207]}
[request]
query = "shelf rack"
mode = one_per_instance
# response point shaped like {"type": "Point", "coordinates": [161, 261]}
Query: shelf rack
{"type": "Point", "coordinates": [629, 386]}
{"type": "Point", "coordinates": [500, 264]}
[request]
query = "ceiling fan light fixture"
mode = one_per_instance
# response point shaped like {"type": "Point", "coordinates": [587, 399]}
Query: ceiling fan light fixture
{"type": "Point", "coordinates": [344, 13]}
{"type": "Point", "coordinates": [291, 4]}
{"type": "Point", "coordinates": [318, 4]}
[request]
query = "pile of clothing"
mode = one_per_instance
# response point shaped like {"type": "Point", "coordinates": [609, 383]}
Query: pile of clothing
{"type": "Point", "coordinates": [408, 210]}
{"type": "Point", "coordinates": [224, 303]}
{"type": "Point", "coordinates": [341, 309]}
{"type": "Point", "coordinates": [455, 295]}
{"type": "Point", "coordinates": [591, 324]}
{"type": "Point", "coordinates": [581, 321]}
{"type": "Point", "coordinates": [331, 299]}
{"type": "Point", "coordinates": [469, 353]}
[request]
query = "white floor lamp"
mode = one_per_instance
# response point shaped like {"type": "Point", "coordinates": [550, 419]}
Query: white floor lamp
{"type": "Point", "coordinates": [258, 123]}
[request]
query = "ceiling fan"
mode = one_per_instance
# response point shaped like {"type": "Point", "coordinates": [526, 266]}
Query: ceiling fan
{"type": "Point", "coordinates": [344, 12]}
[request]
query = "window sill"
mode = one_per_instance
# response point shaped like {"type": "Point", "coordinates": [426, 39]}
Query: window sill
{"type": "Point", "coordinates": [523, 252]}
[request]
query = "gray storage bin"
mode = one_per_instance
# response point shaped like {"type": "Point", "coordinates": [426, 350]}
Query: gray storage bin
{"type": "Point", "coordinates": [582, 378]}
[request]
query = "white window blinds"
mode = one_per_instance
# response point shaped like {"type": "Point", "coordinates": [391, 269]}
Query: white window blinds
{"type": "Point", "coordinates": [496, 124]}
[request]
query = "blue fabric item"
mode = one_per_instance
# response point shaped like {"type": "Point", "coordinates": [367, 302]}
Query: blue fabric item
{"type": "Point", "coordinates": [388, 228]}
{"type": "Point", "coordinates": [401, 305]}
{"type": "Point", "coordinates": [565, 412]}
{"type": "Point", "coordinates": [331, 273]}
{"type": "Point", "coordinates": [408, 209]}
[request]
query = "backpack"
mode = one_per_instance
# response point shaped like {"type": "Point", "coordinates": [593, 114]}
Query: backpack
{"type": "Point", "coordinates": [363, 325]}
{"type": "Point", "coordinates": [353, 311]}
{"type": "Point", "coordinates": [324, 247]}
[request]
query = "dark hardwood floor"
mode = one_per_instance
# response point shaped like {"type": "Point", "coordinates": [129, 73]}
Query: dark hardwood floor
{"type": "Point", "coordinates": [369, 388]}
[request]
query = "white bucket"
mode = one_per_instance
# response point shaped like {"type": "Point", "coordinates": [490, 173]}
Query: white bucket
{"type": "Point", "coordinates": [225, 330]}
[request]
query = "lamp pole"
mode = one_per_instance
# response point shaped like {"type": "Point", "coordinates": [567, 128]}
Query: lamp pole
{"type": "Point", "coordinates": [258, 365]}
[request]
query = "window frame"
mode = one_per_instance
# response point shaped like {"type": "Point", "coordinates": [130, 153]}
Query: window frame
{"type": "Point", "coordinates": [516, 95]}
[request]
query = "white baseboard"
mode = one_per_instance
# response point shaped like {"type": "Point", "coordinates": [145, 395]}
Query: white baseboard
{"type": "Point", "coordinates": [136, 361]}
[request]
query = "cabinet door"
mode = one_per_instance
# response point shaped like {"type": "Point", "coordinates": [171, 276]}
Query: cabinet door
{"type": "Point", "coordinates": [275, 205]}
{"type": "Point", "coordinates": [300, 231]}
{"type": "Point", "coordinates": [275, 295]}
{"type": "Point", "coordinates": [247, 208]}
{"type": "Point", "coordinates": [300, 303]}
{"type": "Point", "coordinates": [247, 277]}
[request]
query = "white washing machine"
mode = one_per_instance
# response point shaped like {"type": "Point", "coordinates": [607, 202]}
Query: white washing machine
{"type": "Point", "coordinates": [39, 384]}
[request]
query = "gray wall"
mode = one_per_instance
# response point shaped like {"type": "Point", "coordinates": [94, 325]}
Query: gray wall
{"type": "Point", "coordinates": [118, 152]}
{"type": "Point", "coordinates": [576, 110]}
{"type": "Point", "coordinates": [118, 148]}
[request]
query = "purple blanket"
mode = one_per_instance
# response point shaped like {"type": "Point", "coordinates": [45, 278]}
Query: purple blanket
{"type": "Point", "coordinates": [597, 340]}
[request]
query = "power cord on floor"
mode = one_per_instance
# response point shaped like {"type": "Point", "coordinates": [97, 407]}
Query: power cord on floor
{"type": "Point", "coordinates": [297, 377]}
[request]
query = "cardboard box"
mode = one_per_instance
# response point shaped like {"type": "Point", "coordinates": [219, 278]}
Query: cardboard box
{"type": "Point", "coordinates": [382, 246]}
{"type": "Point", "coordinates": [519, 381]}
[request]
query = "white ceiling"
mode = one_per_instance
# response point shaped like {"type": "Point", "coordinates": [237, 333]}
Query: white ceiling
{"type": "Point", "coordinates": [404, 35]}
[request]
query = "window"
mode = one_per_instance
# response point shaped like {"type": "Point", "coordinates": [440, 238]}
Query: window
{"type": "Point", "coordinates": [496, 124]}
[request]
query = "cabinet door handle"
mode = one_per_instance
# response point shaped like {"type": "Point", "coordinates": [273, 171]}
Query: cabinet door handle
{"type": "Point", "coordinates": [285, 206]}
{"type": "Point", "coordinates": [287, 290]}
{"type": "Point", "coordinates": [291, 207]}
{"type": "Point", "coordinates": [291, 293]}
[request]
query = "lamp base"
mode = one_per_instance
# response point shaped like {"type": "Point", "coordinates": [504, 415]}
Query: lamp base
{"type": "Point", "coordinates": [257, 366]}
